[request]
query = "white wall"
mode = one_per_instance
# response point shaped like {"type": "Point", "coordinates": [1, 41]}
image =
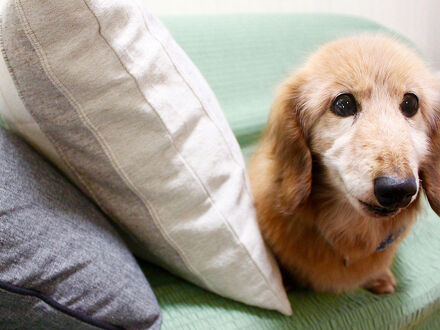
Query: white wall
{"type": "Point", "coordinates": [418, 20]}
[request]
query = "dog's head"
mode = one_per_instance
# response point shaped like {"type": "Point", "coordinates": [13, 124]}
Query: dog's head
{"type": "Point", "coordinates": [368, 108]}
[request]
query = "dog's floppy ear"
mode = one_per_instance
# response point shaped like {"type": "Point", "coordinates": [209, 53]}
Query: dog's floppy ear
{"type": "Point", "coordinates": [291, 154]}
{"type": "Point", "coordinates": [430, 170]}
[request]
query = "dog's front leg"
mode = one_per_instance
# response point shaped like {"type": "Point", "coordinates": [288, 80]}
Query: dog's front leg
{"type": "Point", "coordinates": [382, 283]}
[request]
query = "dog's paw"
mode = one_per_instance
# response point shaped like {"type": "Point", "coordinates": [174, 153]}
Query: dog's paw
{"type": "Point", "coordinates": [384, 283]}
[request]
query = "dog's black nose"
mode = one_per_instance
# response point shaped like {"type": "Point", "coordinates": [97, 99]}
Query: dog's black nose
{"type": "Point", "coordinates": [393, 192]}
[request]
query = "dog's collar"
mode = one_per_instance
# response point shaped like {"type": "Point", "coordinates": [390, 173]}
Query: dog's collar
{"type": "Point", "coordinates": [390, 239]}
{"type": "Point", "coordinates": [384, 244]}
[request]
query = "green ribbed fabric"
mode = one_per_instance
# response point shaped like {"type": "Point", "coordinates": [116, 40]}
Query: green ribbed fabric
{"type": "Point", "coordinates": [416, 302]}
{"type": "Point", "coordinates": [244, 57]}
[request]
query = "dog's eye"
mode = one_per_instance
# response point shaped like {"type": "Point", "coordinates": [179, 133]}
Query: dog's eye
{"type": "Point", "coordinates": [409, 105]}
{"type": "Point", "coordinates": [344, 105]}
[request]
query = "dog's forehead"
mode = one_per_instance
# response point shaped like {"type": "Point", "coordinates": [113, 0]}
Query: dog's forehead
{"type": "Point", "coordinates": [362, 64]}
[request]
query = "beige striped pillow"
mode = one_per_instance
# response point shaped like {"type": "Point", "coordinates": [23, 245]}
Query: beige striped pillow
{"type": "Point", "coordinates": [102, 89]}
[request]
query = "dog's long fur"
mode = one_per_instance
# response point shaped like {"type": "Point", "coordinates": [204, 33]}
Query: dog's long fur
{"type": "Point", "coordinates": [312, 167]}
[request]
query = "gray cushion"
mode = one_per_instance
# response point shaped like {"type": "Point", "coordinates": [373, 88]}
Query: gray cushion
{"type": "Point", "coordinates": [62, 264]}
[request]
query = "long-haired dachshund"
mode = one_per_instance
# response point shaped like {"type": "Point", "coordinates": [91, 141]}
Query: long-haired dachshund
{"type": "Point", "coordinates": [352, 140]}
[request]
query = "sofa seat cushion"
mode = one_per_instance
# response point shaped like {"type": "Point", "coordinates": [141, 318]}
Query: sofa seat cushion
{"type": "Point", "coordinates": [416, 301]}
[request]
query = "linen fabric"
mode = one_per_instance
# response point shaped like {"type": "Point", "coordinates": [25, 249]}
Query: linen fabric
{"type": "Point", "coordinates": [102, 89]}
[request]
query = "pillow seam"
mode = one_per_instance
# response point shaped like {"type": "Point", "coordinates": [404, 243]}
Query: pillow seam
{"type": "Point", "coordinates": [203, 107]}
{"type": "Point", "coordinates": [52, 77]}
{"type": "Point", "coordinates": [113, 158]}
{"type": "Point", "coordinates": [27, 28]}
{"type": "Point", "coordinates": [48, 300]}
{"type": "Point", "coordinates": [225, 142]}
{"type": "Point", "coordinates": [225, 221]}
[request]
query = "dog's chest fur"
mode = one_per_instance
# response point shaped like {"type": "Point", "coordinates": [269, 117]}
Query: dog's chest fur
{"type": "Point", "coordinates": [331, 252]}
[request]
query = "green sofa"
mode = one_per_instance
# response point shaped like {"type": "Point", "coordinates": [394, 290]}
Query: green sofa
{"type": "Point", "coordinates": [244, 57]}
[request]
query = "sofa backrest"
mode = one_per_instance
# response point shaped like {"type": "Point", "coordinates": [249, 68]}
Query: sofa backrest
{"type": "Point", "coordinates": [245, 57]}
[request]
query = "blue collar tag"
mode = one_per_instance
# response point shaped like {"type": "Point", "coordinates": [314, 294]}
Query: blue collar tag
{"type": "Point", "coordinates": [389, 240]}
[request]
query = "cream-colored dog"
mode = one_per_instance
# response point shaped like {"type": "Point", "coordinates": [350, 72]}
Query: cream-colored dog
{"type": "Point", "coordinates": [352, 139]}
